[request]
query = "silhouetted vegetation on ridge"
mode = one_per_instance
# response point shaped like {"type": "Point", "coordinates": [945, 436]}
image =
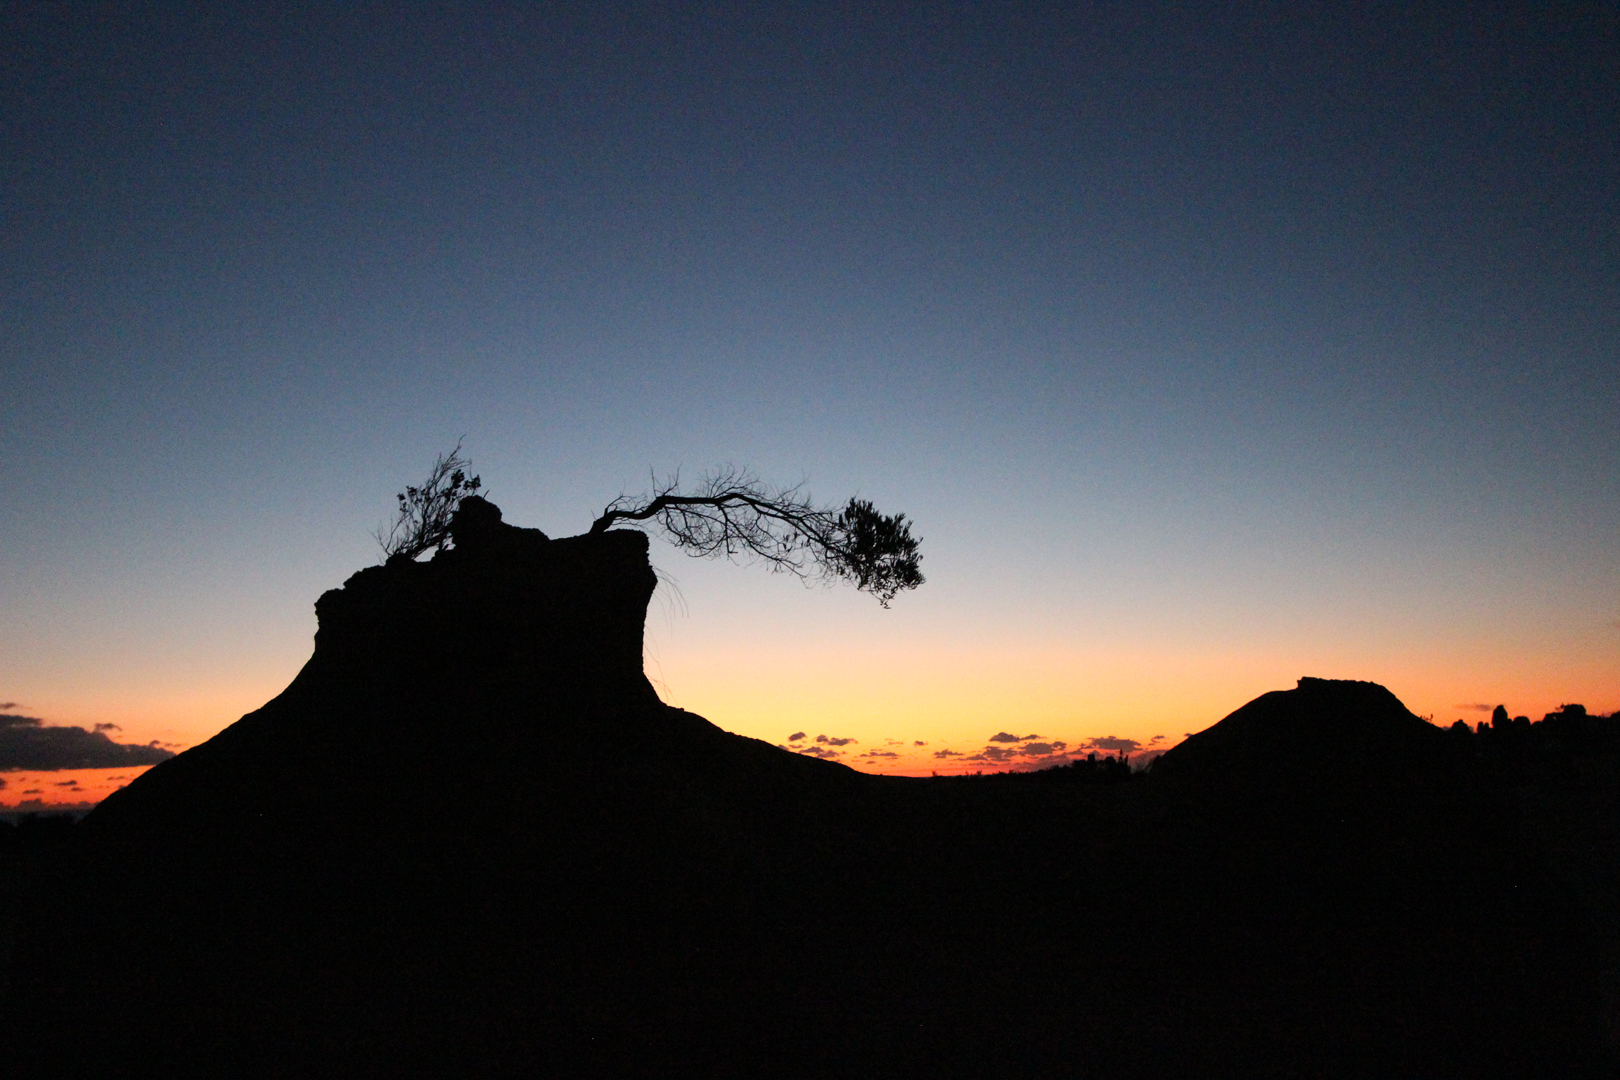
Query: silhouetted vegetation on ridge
{"type": "Point", "coordinates": [1091, 769]}
{"type": "Point", "coordinates": [1569, 732]}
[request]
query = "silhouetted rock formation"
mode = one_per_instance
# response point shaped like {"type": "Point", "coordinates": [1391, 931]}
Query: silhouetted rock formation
{"type": "Point", "coordinates": [482, 716]}
{"type": "Point", "coordinates": [506, 610]}
{"type": "Point", "coordinates": [469, 838]}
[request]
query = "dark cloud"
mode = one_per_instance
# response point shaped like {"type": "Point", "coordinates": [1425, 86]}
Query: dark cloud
{"type": "Point", "coordinates": [2, 782]}
{"type": "Point", "coordinates": [68, 783]}
{"type": "Point", "coordinates": [1037, 754]}
{"type": "Point", "coordinates": [919, 742]}
{"type": "Point", "coordinates": [818, 751]}
{"type": "Point", "coordinates": [27, 743]}
{"type": "Point", "coordinates": [1112, 742]}
{"type": "Point", "coordinates": [108, 727]}
{"type": "Point", "coordinates": [33, 791]}
{"type": "Point", "coordinates": [1007, 736]}
{"type": "Point", "coordinates": [8, 704]}
{"type": "Point", "coordinates": [834, 742]}
{"type": "Point", "coordinates": [947, 753]}
{"type": "Point", "coordinates": [796, 736]}
{"type": "Point", "coordinates": [1474, 706]}
{"type": "Point", "coordinates": [880, 753]}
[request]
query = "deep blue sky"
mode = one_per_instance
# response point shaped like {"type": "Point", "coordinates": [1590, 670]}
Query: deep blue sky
{"type": "Point", "coordinates": [1230, 339]}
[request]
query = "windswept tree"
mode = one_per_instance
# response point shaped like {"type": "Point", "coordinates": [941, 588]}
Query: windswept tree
{"type": "Point", "coordinates": [422, 520]}
{"type": "Point", "coordinates": [729, 514]}
{"type": "Point", "coordinates": [733, 514]}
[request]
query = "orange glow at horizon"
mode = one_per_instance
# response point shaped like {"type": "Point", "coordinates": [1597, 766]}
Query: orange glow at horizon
{"type": "Point", "coordinates": [921, 707]}
{"type": "Point", "coordinates": [36, 790]}
{"type": "Point", "coordinates": [888, 700]}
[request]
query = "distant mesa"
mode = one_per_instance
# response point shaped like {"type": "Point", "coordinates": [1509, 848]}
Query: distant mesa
{"type": "Point", "coordinates": [1323, 729]}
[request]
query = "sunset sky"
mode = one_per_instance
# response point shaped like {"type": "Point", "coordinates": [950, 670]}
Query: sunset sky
{"type": "Point", "coordinates": [1208, 346]}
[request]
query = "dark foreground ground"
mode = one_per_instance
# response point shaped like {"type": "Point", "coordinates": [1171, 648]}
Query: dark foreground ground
{"type": "Point", "coordinates": [881, 1002]}
{"type": "Point", "coordinates": [752, 917]}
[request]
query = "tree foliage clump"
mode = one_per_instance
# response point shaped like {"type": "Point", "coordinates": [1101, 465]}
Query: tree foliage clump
{"type": "Point", "coordinates": [422, 521]}
{"type": "Point", "coordinates": [732, 513]}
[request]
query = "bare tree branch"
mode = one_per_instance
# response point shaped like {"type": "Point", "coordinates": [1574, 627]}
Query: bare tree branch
{"type": "Point", "coordinates": [732, 513]}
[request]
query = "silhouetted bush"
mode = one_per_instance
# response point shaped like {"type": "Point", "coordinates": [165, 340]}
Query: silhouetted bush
{"type": "Point", "coordinates": [422, 521]}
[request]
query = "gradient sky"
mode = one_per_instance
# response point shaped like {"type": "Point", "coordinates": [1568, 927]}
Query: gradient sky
{"type": "Point", "coordinates": [1208, 346]}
